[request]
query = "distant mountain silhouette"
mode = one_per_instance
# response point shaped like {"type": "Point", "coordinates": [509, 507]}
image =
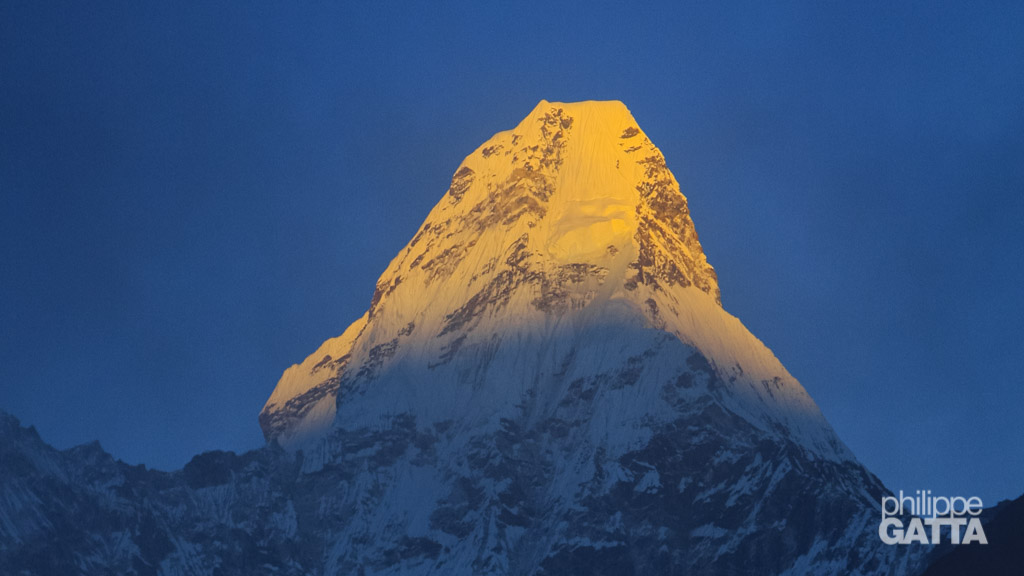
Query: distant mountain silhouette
{"type": "Point", "coordinates": [1004, 554]}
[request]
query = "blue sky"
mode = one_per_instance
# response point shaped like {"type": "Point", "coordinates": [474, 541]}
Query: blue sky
{"type": "Point", "coordinates": [192, 198]}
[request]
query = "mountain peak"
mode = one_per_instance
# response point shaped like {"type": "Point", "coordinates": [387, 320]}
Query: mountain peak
{"type": "Point", "coordinates": [549, 356]}
{"type": "Point", "coordinates": [612, 111]}
{"type": "Point", "coordinates": [544, 383]}
{"type": "Point", "coordinates": [580, 180]}
{"type": "Point", "coordinates": [566, 229]}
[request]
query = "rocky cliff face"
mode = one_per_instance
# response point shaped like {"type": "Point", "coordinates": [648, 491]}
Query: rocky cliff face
{"type": "Point", "coordinates": [545, 382]}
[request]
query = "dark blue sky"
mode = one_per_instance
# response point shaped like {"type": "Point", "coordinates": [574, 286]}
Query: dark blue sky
{"type": "Point", "coordinates": [192, 198]}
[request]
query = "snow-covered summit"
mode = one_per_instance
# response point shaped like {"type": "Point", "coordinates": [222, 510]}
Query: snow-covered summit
{"type": "Point", "coordinates": [544, 382]}
{"type": "Point", "coordinates": [566, 227]}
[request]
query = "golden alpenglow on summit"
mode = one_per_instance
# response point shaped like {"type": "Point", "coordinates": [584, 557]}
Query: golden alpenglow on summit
{"type": "Point", "coordinates": [548, 355]}
{"type": "Point", "coordinates": [570, 215]}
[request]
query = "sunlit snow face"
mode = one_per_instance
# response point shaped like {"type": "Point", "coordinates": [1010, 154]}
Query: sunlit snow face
{"type": "Point", "coordinates": [584, 230]}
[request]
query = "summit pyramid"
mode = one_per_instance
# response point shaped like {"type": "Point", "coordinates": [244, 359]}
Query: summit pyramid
{"type": "Point", "coordinates": [545, 379]}
{"type": "Point", "coordinates": [569, 223]}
